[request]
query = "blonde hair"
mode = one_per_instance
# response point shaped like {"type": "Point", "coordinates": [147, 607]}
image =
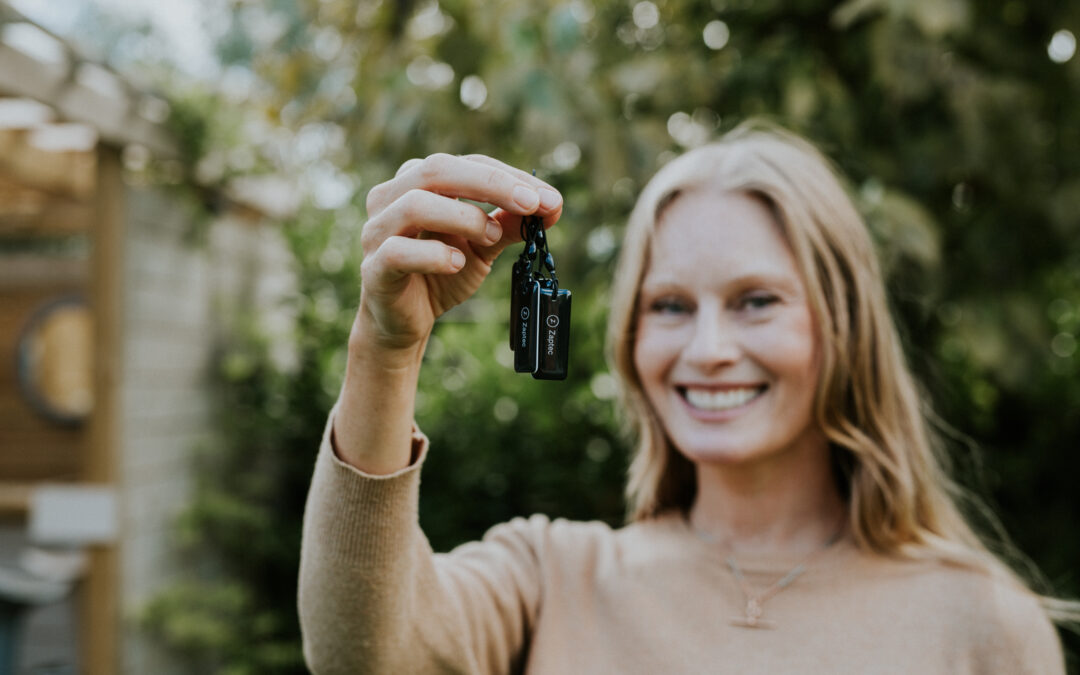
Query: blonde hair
{"type": "Point", "coordinates": [890, 468]}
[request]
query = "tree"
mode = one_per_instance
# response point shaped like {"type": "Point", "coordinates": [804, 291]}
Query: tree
{"type": "Point", "coordinates": [960, 135]}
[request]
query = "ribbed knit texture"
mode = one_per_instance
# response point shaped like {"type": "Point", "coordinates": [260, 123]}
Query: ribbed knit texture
{"type": "Point", "coordinates": [558, 597]}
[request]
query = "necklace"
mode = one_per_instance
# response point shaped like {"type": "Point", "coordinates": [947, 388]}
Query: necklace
{"type": "Point", "coordinates": [755, 601]}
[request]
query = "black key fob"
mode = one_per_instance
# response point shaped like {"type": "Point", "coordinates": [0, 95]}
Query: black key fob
{"type": "Point", "coordinates": [526, 352]}
{"type": "Point", "coordinates": [554, 332]}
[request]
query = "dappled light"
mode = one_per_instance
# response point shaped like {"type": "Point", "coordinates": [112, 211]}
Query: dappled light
{"type": "Point", "coordinates": [192, 221]}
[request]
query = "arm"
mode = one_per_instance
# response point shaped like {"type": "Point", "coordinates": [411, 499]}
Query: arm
{"type": "Point", "coordinates": [374, 599]}
{"type": "Point", "coordinates": [364, 560]}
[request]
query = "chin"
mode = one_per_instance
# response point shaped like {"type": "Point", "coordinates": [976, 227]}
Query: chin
{"type": "Point", "coordinates": [721, 454]}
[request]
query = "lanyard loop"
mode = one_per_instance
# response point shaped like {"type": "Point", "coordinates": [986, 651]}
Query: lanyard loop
{"type": "Point", "coordinates": [535, 256]}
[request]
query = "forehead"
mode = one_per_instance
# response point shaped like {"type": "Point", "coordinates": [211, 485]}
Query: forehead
{"type": "Point", "coordinates": [703, 232]}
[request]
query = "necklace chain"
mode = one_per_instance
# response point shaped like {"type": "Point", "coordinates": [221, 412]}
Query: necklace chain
{"type": "Point", "coordinates": [755, 601]}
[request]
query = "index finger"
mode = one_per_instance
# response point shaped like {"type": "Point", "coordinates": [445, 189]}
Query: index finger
{"type": "Point", "coordinates": [549, 202]}
{"type": "Point", "coordinates": [460, 178]}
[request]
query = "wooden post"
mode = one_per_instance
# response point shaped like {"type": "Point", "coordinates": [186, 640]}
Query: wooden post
{"type": "Point", "coordinates": [99, 602]}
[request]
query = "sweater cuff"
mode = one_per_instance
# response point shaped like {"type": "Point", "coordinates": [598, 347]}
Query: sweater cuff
{"type": "Point", "coordinates": [360, 516]}
{"type": "Point", "coordinates": [416, 454]}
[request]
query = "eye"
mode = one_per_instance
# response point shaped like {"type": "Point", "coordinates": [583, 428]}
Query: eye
{"type": "Point", "coordinates": [669, 305]}
{"type": "Point", "coordinates": [757, 300]}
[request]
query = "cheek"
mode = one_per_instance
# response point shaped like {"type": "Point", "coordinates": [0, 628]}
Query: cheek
{"type": "Point", "coordinates": [789, 348]}
{"type": "Point", "coordinates": [653, 351]}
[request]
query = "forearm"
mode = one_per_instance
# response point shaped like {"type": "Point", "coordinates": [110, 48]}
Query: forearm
{"type": "Point", "coordinates": [374, 420]}
{"type": "Point", "coordinates": [359, 565]}
{"type": "Point", "coordinates": [371, 598]}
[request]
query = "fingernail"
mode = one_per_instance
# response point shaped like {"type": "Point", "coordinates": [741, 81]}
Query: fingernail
{"type": "Point", "coordinates": [525, 198]}
{"type": "Point", "coordinates": [493, 232]}
{"type": "Point", "coordinates": [457, 259]}
{"type": "Point", "coordinates": [549, 199]}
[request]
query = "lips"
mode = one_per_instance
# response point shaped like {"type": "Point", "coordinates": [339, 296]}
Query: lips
{"type": "Point", "coordinates": [713, 400]}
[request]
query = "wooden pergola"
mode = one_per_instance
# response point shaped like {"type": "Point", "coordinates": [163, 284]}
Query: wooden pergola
{"type": "Point", "coordinates": [65, 124]}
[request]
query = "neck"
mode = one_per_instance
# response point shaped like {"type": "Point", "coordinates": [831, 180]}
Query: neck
{"type": "Point", "coordinates": [788, 503]}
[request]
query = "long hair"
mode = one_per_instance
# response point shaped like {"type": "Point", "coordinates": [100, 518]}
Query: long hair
{"type": "Point", "coordinates": [888, 463]}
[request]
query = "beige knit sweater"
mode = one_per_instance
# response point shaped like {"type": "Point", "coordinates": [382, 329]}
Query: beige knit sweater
{"type": "Point", "coordinates": [556, 598]}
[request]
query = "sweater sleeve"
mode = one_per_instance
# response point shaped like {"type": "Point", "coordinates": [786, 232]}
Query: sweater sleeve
{"type": "Point", "coordinates": [374, 598]}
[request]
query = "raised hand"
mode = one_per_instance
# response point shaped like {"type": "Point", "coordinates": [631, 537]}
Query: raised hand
{"type": "Point", "coordinates": [426, 251]}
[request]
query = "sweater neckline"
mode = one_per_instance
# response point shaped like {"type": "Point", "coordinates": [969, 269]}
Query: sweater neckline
{"type": "Point", "coordinates": [756, 563]}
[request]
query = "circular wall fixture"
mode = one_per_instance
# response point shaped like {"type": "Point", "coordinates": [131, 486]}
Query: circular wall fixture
{"type": "Point", "coordinates": [55, 355]}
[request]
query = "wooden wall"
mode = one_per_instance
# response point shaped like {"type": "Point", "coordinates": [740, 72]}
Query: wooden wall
{"type": "Point", "coordinates": [31, 447]}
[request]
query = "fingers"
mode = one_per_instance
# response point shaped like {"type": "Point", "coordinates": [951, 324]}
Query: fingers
{"type": "Point", "coordinates": [424, 197]}
{"type": "Point", "coordinates": [410, 163]}
{"type": "Point", "coordinates": [475, 177]}
{"type": "Point", "coordinates": [398, 257]}
{"type": "Point", "coordinates": [550, 199]}
{"type": "Point", "coordinates": [511, 227]}
{"type": "Point", "coordinates": [419, 211]}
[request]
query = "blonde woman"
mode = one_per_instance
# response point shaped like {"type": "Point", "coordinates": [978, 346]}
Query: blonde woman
{"type": "Point", "coordinates": [788, 514]}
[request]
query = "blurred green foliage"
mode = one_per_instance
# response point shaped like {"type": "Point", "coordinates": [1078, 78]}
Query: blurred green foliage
{"type": "Point", "coordinates": [961, 138]}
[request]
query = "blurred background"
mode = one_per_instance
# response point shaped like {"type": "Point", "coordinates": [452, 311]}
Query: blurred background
{"type": "Point", "coordinates": [181, 192]}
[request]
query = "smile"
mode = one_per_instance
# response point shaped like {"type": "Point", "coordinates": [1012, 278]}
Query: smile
{"type": "Point", "coordinates": [713, 400]}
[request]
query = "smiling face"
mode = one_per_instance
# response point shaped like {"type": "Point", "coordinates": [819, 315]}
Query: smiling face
{"type": "Point", "coordinates": [726, 347]}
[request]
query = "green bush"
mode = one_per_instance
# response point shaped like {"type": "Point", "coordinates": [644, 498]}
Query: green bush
{"type": "Point", "coordinates": [961, 139]}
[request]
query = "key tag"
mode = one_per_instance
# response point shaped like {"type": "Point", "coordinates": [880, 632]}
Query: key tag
{"type": "Point", "coordinates": [539, 309]}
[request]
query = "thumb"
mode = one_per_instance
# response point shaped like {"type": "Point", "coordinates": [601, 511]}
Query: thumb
{"type": "Point", "coordinates": [511, 226]}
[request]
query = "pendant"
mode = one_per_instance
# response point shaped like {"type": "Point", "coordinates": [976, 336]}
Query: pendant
{"type": "Point", "coordinates": [753, 617]}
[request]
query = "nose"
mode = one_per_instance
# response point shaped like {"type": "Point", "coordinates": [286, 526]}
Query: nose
{"type": "Point", "coordinates": [714, 340]}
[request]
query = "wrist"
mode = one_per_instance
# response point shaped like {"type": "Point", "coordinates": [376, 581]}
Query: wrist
{"type": "Point", "coordinates": [373, 425]}
{"type": "Point", "coordinates": [373, 352]}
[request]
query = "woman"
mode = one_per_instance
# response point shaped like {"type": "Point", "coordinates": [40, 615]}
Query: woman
{"type": "Point", "coordinates": [788, 514]}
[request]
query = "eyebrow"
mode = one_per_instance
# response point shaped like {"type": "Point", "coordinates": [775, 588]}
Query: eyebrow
{"type": "Point", "coordinates": [755, 279]}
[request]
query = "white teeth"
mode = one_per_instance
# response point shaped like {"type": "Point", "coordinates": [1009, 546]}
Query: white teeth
{"type": "Point", "coordinates": [720, 400]}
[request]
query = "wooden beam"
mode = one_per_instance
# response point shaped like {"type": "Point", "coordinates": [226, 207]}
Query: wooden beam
{"type": "Point", "coordinates": [100, 593]}
{"type": "Point", "coordinates": [25, 211]}
{"type": "Point", "coordinates": [117, 120]}
{"type": "Point", "coordinates": [51, 219]}
{"type": "Point", "coordinates": [23, 75]}
{"type": "Point", "coordinates": [15, 499]}
{"type": "Point", "coordinates": [67, 174]}
{"type": "Point", "coordinates": [35, 272]}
